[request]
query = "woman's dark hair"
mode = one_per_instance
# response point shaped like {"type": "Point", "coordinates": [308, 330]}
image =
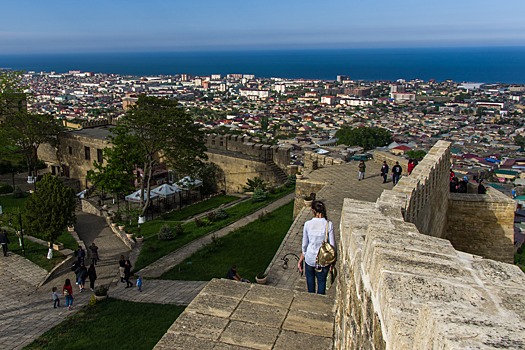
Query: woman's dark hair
{"type": "Point", "coordinates": [67, 283]}
{"type": "Point", "coordinates": [319, 207]}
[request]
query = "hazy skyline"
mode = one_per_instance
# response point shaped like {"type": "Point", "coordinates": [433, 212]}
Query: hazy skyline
{"type": "Point", "coordinates": [158, 25]}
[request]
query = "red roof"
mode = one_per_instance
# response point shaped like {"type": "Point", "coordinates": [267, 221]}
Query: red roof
{"type": "Point", "coordinates": [403, 148]}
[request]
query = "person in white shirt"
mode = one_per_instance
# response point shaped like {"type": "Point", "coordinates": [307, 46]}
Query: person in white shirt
{"type": "Point", "coordinates": [313, 236]}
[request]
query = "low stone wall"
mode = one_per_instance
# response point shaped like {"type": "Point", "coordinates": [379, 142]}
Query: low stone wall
{"type": "Point", "coordinates": [88, 206]}
{"type": "Point", "coordinates": [482, 224]}
{"type": "Point", "coordinates": [314, 161]}
{"type": "Point", "coordinates": [304, 187]}
{"type": "Point", "coordinates": [400, 289]}
{"type": "Point", "coordinates": [426, 191]}
{"type": "Point", "coordinates": [381, 156]}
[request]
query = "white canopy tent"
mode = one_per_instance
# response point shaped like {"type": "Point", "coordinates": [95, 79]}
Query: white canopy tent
{"type": "Point", "coordinates": [188, 182]}
{"type": "Point", "coordinates": [166, 190]}
{"type": "Point", "coordinates": [135, 196]}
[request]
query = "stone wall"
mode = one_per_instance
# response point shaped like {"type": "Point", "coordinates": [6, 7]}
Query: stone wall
{"type": "Point", "coordinates": [426, 191]}
{"type": "Point", "coordinates": [482, 224]}
{"type": "Point", "coordinates": [237, 170]}
{"type": "Point", "coordinates": [400, 289]}
{"type": "Point", "coordinates": [304, 187]}
{"type": "Point", "coordinates": [72, 155]}
{"type": "Point", "coordinates": [314, 161]}
{"type": "Point", "coordinates": [250, 147]}
{"type": "Point", "coordinates": [380, 156]}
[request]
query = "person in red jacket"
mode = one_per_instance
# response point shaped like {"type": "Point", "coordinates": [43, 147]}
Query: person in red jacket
{"type": "Point", "coordinates": [411, 166]}
{"type": "Point", "coordinates": [67, 290]}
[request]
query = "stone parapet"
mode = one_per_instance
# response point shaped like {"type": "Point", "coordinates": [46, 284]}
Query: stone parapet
{"type": "Point", "coordinates": [427, 190]}
{"type": "Point", "coordinates": [482, 224]}
{"type": "Point", "coordinates": [313, 161]}
{"type": "Point", "coordinates": [399, 289]}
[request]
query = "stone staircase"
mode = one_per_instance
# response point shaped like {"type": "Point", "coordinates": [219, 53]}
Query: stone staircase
{"type": "Point", "coordinates": [278, 172]}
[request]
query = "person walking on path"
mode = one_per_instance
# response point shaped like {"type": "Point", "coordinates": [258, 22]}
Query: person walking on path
{"type": "Point", "coordinates": [384, 171]}
{"type": "Point", "coordinates": [121, 267]}
{"type": "Point", "coordinates": [127, 273]}
{"type": "Point", "coordinates": [4, 241]}
{"type": "Point", "coordinates": [139, 283]}
{"type": "Point", "coordinates": [81, 275]}
{"type": "Point", "coordinates": [56, 298]}
{"type": "Point", "coordinates": [81, 255]}
{"type": "Point", "coordinates": [92, 275]}
{"type": "Point", "coordinates": [396, 173]}
{"type": "Point", "coordinates": [362, 169]}
{"type": "Point", "coordinates": [93, 249]}
{"type": "Point", "coordinates": [67, 290]}
{"type": "Point", "coordinates": [313, 236]}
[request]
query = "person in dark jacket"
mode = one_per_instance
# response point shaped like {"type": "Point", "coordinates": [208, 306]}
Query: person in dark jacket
{"type": "Point", "coordinates": [384, 171]}
{"type": "Point", "coordinates": [81, 275]}
{"type": "Point", "coordinates": [396, 173]}
{"type": "Point", "coordinates": [92, 275]}
{"type": "Point", "coordinates": [121, 266]}
{"type": "Point", "coordinates": [127, 273]}
{"type": "Point", "coordinates": [4, 241]}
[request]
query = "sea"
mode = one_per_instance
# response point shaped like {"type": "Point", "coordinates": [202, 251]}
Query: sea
{"type": "Point", "coordinates": [472, 64]}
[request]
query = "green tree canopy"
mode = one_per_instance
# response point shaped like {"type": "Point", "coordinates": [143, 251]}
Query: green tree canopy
{"type": "Point", "coordinates": [24, 132]}
{"type": "Point", "coordinates": [49, 210]}
{"type": "Point", "coordinates": [520, 141]}
{"type": "Point", "coordinates": [367, 137]}
{"type": "Point", "coordinates": [416, 154]}
{"type": "Point", "coordinates": [157, 129]}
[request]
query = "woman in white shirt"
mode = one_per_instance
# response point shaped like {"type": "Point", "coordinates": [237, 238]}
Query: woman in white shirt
{"type": "Point", "coordinates": [313, 236]}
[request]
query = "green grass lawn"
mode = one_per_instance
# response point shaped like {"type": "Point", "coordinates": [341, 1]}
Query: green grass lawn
{"type": "Point", "coordinates": [154, 249]}
{"type": "Point", "coordinates": [35, 252]}
{"type": "Point", "coordinates": [251, 248]}
{"type": "Point", "coordinates": [67, 240]}
{"type": "Point", "coordinates": [9, 202]}
{"type": "Point", "coordinates": [112, 324]}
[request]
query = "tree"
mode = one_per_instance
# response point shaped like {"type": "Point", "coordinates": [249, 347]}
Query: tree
{"type": "Point", "coordinates": [157, 129]}
{"type": "Point", "coordinates": [416, 154]}
{"type": "Point", "coordinates": [368, 138]}
{"type": "Point", "coordinates": [24, 132]}
{"type": "Point", "coordinates": [49, 210]}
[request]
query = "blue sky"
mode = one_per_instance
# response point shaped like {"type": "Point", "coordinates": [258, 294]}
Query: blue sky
{"type": "Point", "coordinates": [56, 26]}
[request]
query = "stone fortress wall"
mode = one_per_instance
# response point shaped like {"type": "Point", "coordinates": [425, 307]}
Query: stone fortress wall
{"type": "Point", "coordinates": [242, 158]}
{"type": "Point", "coordinates": [250, 147]}
{"type": "Point", "coordinates": [401, 285]}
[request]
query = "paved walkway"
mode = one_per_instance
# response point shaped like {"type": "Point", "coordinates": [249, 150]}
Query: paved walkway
{"type": "Point", "coordinates": [160, 292]}
{"type": "Point", "coordinates": [168, 262]}
{"type": "Point", "coordinates": [27, 311]}
{"type": "Point", "coordinates": [341, 182]}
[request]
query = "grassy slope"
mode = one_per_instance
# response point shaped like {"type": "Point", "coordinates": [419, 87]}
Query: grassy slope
{"type": "Point", "coordinates": [112, 324]}
{"type": "Point", "coordinates": [154, 249]}
{"type": "Point", "coordinates": [251, 248]}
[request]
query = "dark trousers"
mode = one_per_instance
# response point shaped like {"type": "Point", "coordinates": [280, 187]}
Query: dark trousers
{"type": "Point", "coordinates": [4, 248]}
{"type": "Point", "coordinates": [311, 274]}
{"type": "Point", "coordinates": [395, 178]}
{"type": "Point", "coordinates": [384, 177]}
{"type": "Point", "coordinates": [92, 284]}
{"type": "Point", "coordinates": [56, 303]}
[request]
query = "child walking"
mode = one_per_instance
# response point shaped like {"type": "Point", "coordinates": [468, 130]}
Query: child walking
{"type": "Point", "coordinates": [67, 290]}
{"type": "Point", "coordinates": [56, 298]}
{"type": "Point", "coordinates": [139, 283]}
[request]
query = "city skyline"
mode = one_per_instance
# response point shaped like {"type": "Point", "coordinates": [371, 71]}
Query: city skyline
{"type": "Point", "coordinates": [65, 27]}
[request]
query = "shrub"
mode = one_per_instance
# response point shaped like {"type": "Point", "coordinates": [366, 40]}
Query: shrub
{"type": "Point", "coordinates": [253, 184]}
{"type": "Point", "coordinates": [290, 181]}
{"type": "Point", "coordinates": [258, 196]}
{"type": "Point", "coordinates": [165, 233]}
{"type": "Point", "coordinates": [221, 214]}
{"type": "Point", "coordinates": [178, 230]}
{"type": "Point", "coordinates": [5, 188]}
{"type": "Point", "coordinates": [211, 216]}
{"type": "Point", "coordinates": [101, 291]}
{"type": "Point", "coordinates": [198, 222]}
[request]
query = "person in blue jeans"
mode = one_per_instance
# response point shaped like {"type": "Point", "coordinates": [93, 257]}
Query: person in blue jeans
{"type": "Point", "coordinates": [313, 236]}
